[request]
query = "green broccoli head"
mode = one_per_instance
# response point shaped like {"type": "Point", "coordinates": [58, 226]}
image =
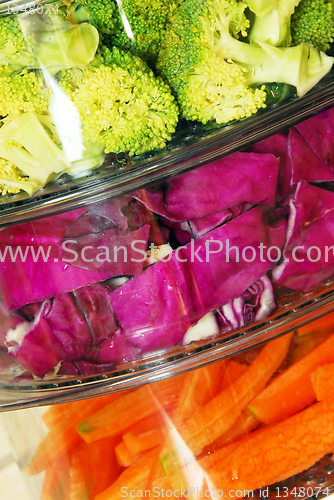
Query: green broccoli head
{"type": "Point", "coordinates": [209, 85]}
{"type": "Point", "coordinates": [102, 14]}
{"type": "Point", "coordinates": [214, 74]}
{"type": "Point", "coordinates": [140, 26]}
{"type": "Point", "coordinates": [312, 22]}
{"type": "Point", "coordinates": [22, 91]}
{"type": "Point", "coordinates": [122, 105]}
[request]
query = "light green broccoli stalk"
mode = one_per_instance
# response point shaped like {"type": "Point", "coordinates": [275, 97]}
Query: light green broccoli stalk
{"type": "Point", "coordinates": [11, 180]}
{"type": "Point", "coordinates": [312, 22]}
{"type": "Point", "coordinates": [28, 141]}
{"type": "Point", "coordinates": [31, 42]}
{"type": "Point", "coordinates": [213, 74]}
{"type": "Point", "coordinates": [123, 106]}
{"type": "Point", "coordinates": [31, 154]}
{"type": "Point", "coordinates": [274, 26]}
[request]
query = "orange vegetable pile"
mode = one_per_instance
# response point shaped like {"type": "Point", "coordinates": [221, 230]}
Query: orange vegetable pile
{"type": "Point", "coordinates": [238, 424]}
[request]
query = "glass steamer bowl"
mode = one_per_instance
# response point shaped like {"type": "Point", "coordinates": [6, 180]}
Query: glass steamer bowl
{"type": "Point", "coordinates": [69, 331]}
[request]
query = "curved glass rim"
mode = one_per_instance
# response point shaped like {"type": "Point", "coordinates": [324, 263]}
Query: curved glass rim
{"type": "Point", "coordinates": [295, 309]}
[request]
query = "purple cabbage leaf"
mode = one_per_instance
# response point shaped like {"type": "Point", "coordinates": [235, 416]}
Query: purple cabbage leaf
{"type": "Point", "coordinates": [308, 256]}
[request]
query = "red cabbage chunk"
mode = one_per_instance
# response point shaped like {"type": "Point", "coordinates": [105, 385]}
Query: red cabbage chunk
{"type": "Point", "coordinates": [255, 304]}
{"type": "Point", "coordinates": [34, 280]}
{"type": "Point", "coordinates": [223, 184]}
{"type": "Point", "coordinates": [91, 242]}
{"type": "Point", "coordinates": [278, 145]}
{"type": "Point", "coordinates": [8, 321]}
{"type": "Point", "coordinates": [156, 308]}
{"type": "Point", "coordinates": [33, 345]}
{"type": "Point", "coordinates": [94, 303]}
{"type": "Point", "coordinates": [308, 256]}
{"type": "Point", "coordinates": [116, 349]}
{"type": "Point", "coordinates": [215, 187]}
{"type": "Point", "coordinates": [69, 327]}
{"type": "Point", "coordinates": [305, 164]}
{"type": "Point", "coordinates": [72, 327]}
{"type": "Point", "coordinates": [318, 132]}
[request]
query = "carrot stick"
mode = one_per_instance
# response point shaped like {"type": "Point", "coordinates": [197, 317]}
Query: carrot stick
{"type": "Point", "coordinates": [79, 473]}
{"type": "Point", "coordinates": [124, 456]}
{"type": "Point", "coordinates": [93, 468]}
{"type": "Point", "coordinates": [292, 390]}
{"type": "Point", "coordinates": [199, 387]}
{"type": "Point", "coordinates": [133, 478]}
{"type": "Point", "coordinates": [216, 417]}
{"type": "Point", "coordinates": [244, 424]}
{"type": "Point", "coordinates": [76, 410]}
{"type": "Point", "coordinates": [127, 410]}
{"type": "Point", "coordinates": [326, 321]}
{"type": "Point", "coordinates": [323, 381]}
{"type": "Point", "coordinates": [136, 443]}
{"type": "Point", "coordinates": [115, 418]}
{"type": "Point", "coordinates": [277, 452]}
{"type": "Point", "coordinates": [233, 371]}
{"type": "Point", "coordinates": [104, 467]}
{"type": "Point", "coordinates": [56, 479]}
{"type": "Point", "coordinates": [60, 441]}
{"type": "Point", "coordinates": [63, 436]}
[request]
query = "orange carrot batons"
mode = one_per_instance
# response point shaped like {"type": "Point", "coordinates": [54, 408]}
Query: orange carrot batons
{"type": "Point", "coordinates": [323, 381]}
{"type": "Point", "coordinates": [115, 418]}
{"type": "Point", "coordinates": [216, 417]}
{"type": "Point", "coordinates": [292, 390]}
{"type": "Point", "coordinates": [132, 478]}
{"type": "Point", "coordinates": [277, 452]}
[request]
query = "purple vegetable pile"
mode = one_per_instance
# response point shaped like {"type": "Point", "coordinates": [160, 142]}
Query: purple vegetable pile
{"type": "Point", "coordinates": [88, 290]}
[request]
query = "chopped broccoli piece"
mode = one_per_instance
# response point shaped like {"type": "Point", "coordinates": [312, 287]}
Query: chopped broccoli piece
{"type": "Point", "coordinates": [11, 180]}
{"type": "Point", "coordinates": [312, 22]}
{"type": "Point", "coordinates": [141, 25]}
{"type": "Point", "coordinates": [212, 73]}
{"type": "Point", "coordinates": [123, 106]}
{"type": "Point", "coordinates": [273, 27]}
{"type": "Point", "coordinates": [208, 84]}
{"type": "Point", "coordinates": [22, 91]}
{"type": "Point", "coordinates": [26, 142]}
{"type": "Point", "coordinates": [100, 13]}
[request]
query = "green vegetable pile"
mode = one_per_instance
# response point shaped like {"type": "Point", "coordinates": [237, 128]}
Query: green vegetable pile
{"type": "Point", "coordinates": [89, 77]}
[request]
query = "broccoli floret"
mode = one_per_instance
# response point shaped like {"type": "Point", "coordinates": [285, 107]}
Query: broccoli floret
{"type": "Point", "coordinates": [22, 91]}
{"type": "Point", "coordinates": [26, 141]}
{"type": "Point", "coordinates": [141, 25]}
{"type": "Point", "coordinates": [123, 106]}
{"type": "Point", "coordinates": [312, 22]}
{"type": "Point", "coordinates": [212, 72]}
{"type": "Point", "coordinates": [274, 26]}
{"type": "Point", "coordinates": [11, 180]}
{"type": "Point", "coordinates": [100, 13]}
{"type": "Point", "coordinates": [30, 142]}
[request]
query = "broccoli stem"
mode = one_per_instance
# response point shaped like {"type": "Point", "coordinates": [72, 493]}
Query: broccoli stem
{"type": "Point", "coordinates": [300, 66]}
{"type": "Point", "coordinates": [65, 46]}
{"type": "Point", "coordinates": [274, 27]}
